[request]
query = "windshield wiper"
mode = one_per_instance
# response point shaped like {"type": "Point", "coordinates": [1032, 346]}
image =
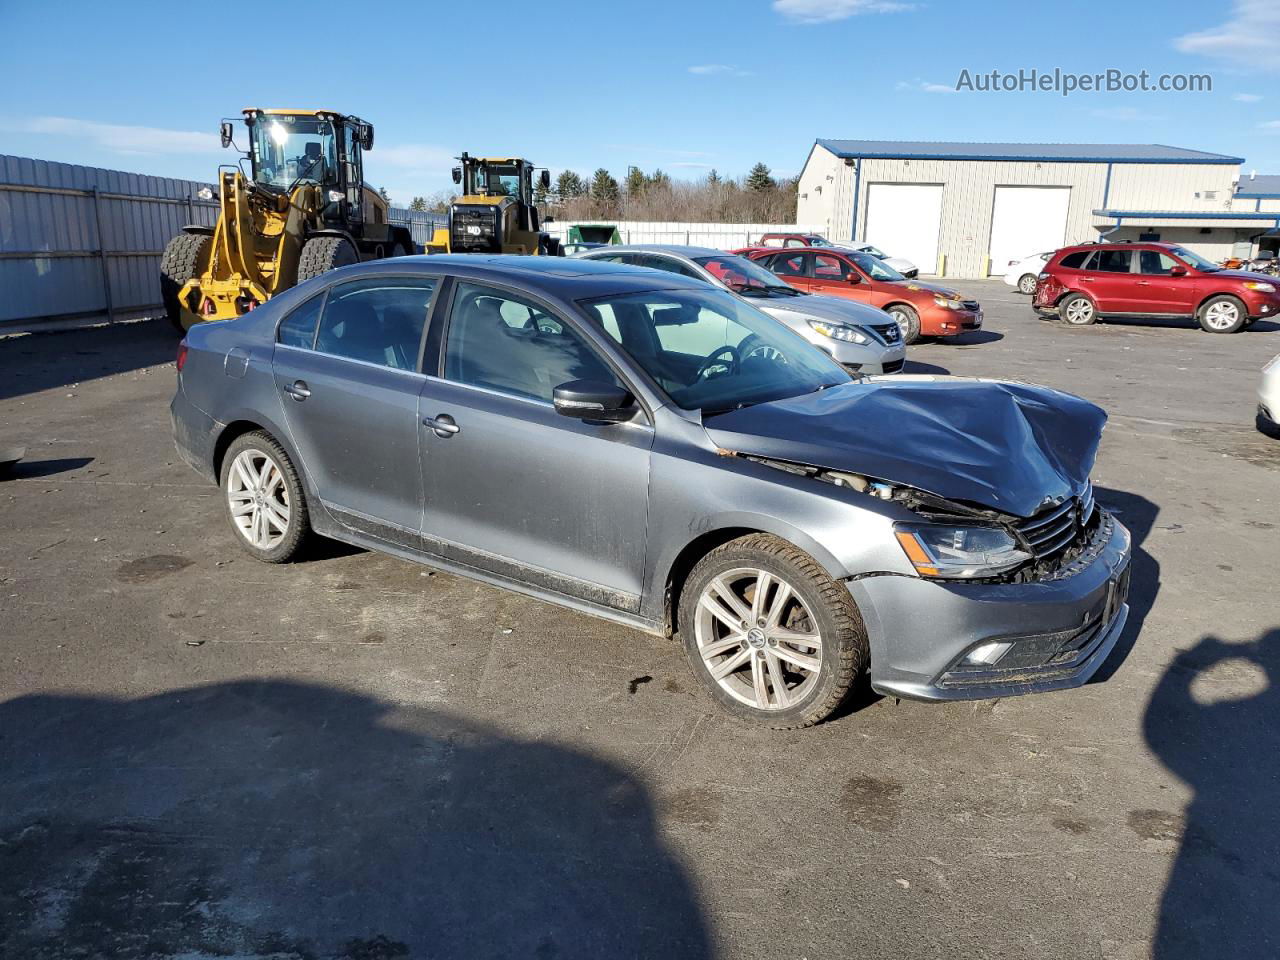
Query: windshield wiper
{"type": "Point", "coordinates": [747, 290]}
{"type": "Point", "coordinates": [783, 288]}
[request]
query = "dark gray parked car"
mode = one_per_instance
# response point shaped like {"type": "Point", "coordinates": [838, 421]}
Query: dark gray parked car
{"type": "Point", "coordinates": [649, 449]}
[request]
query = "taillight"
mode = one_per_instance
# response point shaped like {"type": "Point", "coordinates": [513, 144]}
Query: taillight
{"type": "Point", "coordinates": [182, 356]}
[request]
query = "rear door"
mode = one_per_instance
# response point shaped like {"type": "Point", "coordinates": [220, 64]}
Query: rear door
{"type": "Point", "coordinates": [1110, 280]}
{"type": "Point", "coordinates": [514, 488]}
{"type": "Point", "coordinates": [349, 385]}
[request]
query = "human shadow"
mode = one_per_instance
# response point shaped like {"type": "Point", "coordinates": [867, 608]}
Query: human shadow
{"type": "Point", "coordinates": [34, 469]}
{"type": "Point", "coordinates": [43, 361]}
{"type": "Point", "coordinates": [1138, 514]}
{"type": "Point", "coordinates": [1223, 892]}
{"type": "Point", "coordinates": [296, 820]}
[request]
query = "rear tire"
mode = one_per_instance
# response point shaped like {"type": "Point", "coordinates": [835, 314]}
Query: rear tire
{"type": "Point", "coordinates": [1027, 284]}
{"type": "Point", "coordinates": [908, 321]}
{"type": "Point", "coordinates": [398, 250]}
{"type": "Point", "coordinates": [1222, 314]}
{"type": "Point", "coordinates": [798, 600]}
{"type": "Point", "coordinates": [322, 254]}
{"type": "Point", "coordinates": [262, 494]}
{"type": "Point", "coordinates": [185, 256]}
{"type": "Point", "coordinates": [1077, 311]}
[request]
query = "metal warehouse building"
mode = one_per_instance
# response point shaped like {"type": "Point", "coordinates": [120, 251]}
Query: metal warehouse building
{"type": "Point", "coordinates": [967, 209]}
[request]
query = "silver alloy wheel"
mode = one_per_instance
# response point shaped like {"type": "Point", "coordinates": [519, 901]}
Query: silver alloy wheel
{"type": "Point", "coordinates": [1027, 283]}
{"type": "Point", "coordinates": [757, 639]}
{"type": "Point", "coordinates": [1079, 310]}
{"type": "Point", "coordinates": [258, 498]}
{"type": "Point", "coordinates": [900, 318]}
{"type": "Point", "coordinates": [1222, 315]}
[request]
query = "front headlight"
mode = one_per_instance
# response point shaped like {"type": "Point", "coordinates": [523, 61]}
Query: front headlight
{"type": "Point", "coordinates": [839, 331]}
{"type": "Point", "coordinates": [959, 552]}
{"type": "Point", "coordinates": [949, 304]}
{"type": "Point", "coordinates": [1260, 285]}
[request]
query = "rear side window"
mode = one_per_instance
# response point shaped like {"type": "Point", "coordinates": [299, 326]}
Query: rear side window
{"type": "Point", "coordinates": [1113, 261]}
{"type": "Point", "coordinates": [377, 320]}
{"type": "Point", "coordinates": [298, 329]}
{"type": "Point", "coordinates": [789, 265]}
{"type": "Point", "coordinates": [658, 262]}
{"type": "Point", "coordinates": [1075, 261]}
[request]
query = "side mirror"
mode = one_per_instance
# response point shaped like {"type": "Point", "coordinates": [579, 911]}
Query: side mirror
{"type": "Point", "coordinates": [364, 136]}
{"type": "Point", "coordinates": [594, 401]}
{"type": "Point", "coordinates": [1178, 271]}
{"type": "Point", "coordinates": [226, 130]}
{"type": "Point", "coordinates": [457, 174]}
{"type": "Point", "coordinates": [546, 179]}
{"type": "Point", "coordinates": [853, 278]}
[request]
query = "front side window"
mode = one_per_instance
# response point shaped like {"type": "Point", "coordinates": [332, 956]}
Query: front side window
{"type": "Point", "coordinates": [1155, 263]}
{"type": "Point", "coordinates": [290, 150]}
{"type": "Point", "coordinates": [710, 351]}
{"type": "Point", "coordinates": [1195, 260]}
{"type": "Point", "coordinates": [740, 274]}
{"type": "Point", "coordinates": [377, 320]}
{"type": "Point", "coordinates": [1113, 261]}
{"type": "Point", "coordinates": [500, 341]}
{"type": "Point", "coordinates": [298, 329]}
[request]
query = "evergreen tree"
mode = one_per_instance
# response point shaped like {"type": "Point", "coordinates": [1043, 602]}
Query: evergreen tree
{"type": "Point", "coordinates": [570, 185]}
{"type": "Point", "coordinates": [636, 182]}
{"type": "Point", "coordinates": [418, 203]}
{"type": "Point", "coordinates": [605, 192]}
{"type": "Point", "coordinates": [760, 179]}
{"type": "Point", "coordinates": [382, 192]}
{"type": "Point", "coordinates": [659, 180]}
{"type": "Point", "coordinates": [713, 178]}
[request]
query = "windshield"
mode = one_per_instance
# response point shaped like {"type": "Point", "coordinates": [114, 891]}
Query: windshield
{"type": "Point", "coordinates": [874, 267]}
{"type": "Point", "coordinates": [742, 276]}
{"type": "Point", "coordinates": [495, 180]}
{"type": "Point", "coordinates": [1195, 260]}
{"type": "Point", "coordinates": [819, 242]}
{"type": "Point", "coordinates": [710, 351]}
{"type": "Point", "coordinates": [288, 150]}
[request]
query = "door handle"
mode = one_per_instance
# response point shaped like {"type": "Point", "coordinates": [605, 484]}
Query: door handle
{"type": "Point", "coordinates": [298, 390]}
{"type": "Point", "coordinates": [1086, 279]}
{"type": "Point", "coordinates": [1144, 283]}
{"type": "Point", "coordinates": [443, 426]}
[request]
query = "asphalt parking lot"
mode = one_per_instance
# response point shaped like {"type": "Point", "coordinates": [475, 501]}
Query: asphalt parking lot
{"type": "Point", "coordinates": [203, 756]}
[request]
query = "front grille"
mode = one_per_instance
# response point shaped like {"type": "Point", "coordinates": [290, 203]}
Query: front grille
{"type": "Point", "coordinates": [1051, 531]}
{"type": "Point", "coordinates": [972, 306]}
{"type": "Point", "coordinates": [894, 366]}
{"type": "Point", "coordinates": [888, 332]}
{"type": "Point", "coordinates": [471, 217]}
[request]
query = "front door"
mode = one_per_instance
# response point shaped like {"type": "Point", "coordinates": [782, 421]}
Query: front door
{"type": "Point", "coordinates": [349, 385]}
{"type": "Point", "coordinates": [1159, 291]}
{"type": "Point", "coordinates": [833, 276]}
{"type": "Point", "coordinates": [515, 488]}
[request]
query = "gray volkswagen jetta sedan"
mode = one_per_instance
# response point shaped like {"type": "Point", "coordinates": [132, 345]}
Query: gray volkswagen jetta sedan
{"type": "Point", "coordinates": [861, 338]}
{"type": "Point", "coordinates": [646, 448]}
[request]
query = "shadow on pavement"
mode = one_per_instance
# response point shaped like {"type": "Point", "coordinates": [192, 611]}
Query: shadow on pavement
{"type": "Point", "coordinates": [34, 469]}
{"type": "Point", "coordinates": [1138, 514]}
{"type": "Point", "coordinates": [43, 361]}
{"type": "Point", "coordinates": [291, 820]}
{"type": "Point", "coordinates": [917, 366]}
{"type": "Point", "coordinates": [973, 338]}
{"type": "Point", "coordinates": [1222, 895]}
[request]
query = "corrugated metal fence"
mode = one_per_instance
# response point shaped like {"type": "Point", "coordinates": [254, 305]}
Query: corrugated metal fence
{"type": "Point", "coordinates": [85, 243]}
{"type": "Point", "coordinates": [724, 236]}
{"type": "Point", "coordinates": [421, 225]}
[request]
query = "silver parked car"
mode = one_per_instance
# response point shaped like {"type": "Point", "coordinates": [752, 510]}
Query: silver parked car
{"type": "Point", "coordinates": [862, 338]}
{"type": "Point", "coordinates": [1269, 399]}
{"type": "Point", "coordinates": [653, 450]}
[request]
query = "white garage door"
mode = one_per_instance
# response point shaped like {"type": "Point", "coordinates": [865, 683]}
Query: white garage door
{"type": "Point", "coordinates": [903, 221]}
{"type": "Point", "coordinates": [1026, 221]}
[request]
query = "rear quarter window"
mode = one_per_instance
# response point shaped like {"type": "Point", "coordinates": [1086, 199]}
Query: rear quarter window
{"type": "Point", "coordinates": [1075, 261]}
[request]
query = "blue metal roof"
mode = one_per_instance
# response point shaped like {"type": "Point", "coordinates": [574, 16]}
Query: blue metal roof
{"type": "Point", "coordinates": [1039, 152]}
{"type": "Point", "coordinates": [1261, 187]}
{"type": "Point", "coordinates": [1188, 215]}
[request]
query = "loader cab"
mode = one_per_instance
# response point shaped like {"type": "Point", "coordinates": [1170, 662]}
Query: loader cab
{"type": "Point", "coordinates": [289, 149]}
{"type": "Point", "coordinates": [496, 212]}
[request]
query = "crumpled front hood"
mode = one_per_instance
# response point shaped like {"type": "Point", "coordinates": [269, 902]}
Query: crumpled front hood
{"type": "Point", "coordinates": [1008, 446]}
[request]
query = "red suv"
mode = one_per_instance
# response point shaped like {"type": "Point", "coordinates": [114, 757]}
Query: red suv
{"type": "Point", "coordinates": [1082, 283]}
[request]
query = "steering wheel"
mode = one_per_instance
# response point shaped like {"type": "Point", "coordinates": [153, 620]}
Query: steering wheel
{"type": "Point", "coordinates": [713, 360]}
{"type": "Point", "coordinates": [754, 346]}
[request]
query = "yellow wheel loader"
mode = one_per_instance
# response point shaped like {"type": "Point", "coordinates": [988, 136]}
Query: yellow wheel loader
{"type": "Point", "coordinates": [496, 212]}
{"type": "Point", "coordinates": [301, 208]}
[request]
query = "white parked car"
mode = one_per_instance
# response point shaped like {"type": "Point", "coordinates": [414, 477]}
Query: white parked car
{"type": "Point", "coordinates": [1022, 273]}
{"type": "Point", "coordinates": [901, 264]}
{"type": "Point", "coordinates": [1269, 399]}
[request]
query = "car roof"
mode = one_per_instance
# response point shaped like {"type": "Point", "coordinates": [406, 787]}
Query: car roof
{"type": "Point", "coordinates": [569, 278]}
{"type": "Point", "coordinates": [1116, 245]}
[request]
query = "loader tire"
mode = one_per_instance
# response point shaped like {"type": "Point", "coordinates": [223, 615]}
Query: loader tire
{"type": "Point", "coordinates": [322, 254]}
{"type": "Point", "coordinates": [184, 257]}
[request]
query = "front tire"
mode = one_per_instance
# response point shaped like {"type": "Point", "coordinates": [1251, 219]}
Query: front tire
{"type": "Point", "coordinates": [1077, 311]}
{"type": "Point", "coordinates": [185, 256]}
{"type": "Point", "coordinates": [322, 254]}
{"type": "Point", "coordinates": [770, 635]}
{"type": "Point", "coordinates": [1222, 314]}
{"type": "Point", "coordinates": [908, 321]}
{"type": "Point", "coordinates": [1027, 284]}
{"type": "Point", "coordinates": [264, 499]}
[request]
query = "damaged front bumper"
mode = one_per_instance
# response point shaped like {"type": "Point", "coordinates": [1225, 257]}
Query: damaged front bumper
{"type": "Point", "coordinates": [1058, 631]}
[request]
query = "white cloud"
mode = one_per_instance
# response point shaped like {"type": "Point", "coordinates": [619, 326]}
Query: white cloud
{"type": "Point", "coordinates": [119, 138]}
{"type": "Point", "coordinates": [1271, 126]}
{"type": "Point", "coordinates": [826, 11]}
{"type": "Point", "coordinates": [711, 69]}
{"type": "Point", "coordinates": [688, 165]}
{"type": "Point", "coordinates": [924, 86]}
{"type": "Point", "coordinates": [1249, 38]}
{"type": "Point", "coordinates": [1247, 97]}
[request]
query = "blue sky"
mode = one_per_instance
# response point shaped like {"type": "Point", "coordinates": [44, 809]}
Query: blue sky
{"type": "Point", "coordinates": [684, 85]}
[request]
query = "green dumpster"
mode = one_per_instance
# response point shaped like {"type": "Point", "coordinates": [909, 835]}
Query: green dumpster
{"type": "Point", "coordinates": [594, 233]}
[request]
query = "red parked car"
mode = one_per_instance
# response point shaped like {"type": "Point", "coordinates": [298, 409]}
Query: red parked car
{"type": "Point", "coordinates": [1081, 284]}
{"type": "Point", "coordinates": [921, 309]}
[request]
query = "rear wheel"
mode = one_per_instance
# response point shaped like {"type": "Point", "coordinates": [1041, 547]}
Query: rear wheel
{"type": "Point", "coordinates": [770, 635]}
{"type": "Point", "coordinates": [1222, 314]}
{"type": "Point", "coordinates": [264, 498]}
{"type": "Point", "coordinates": [908, 321]}
{"type": "Point", "coordinates": [322, 254]}
{"type": "Point", "coordinates": [185, 257]}
{"type": "Point", "coordinates": [398, 250]}
{"type": "Point", "coordinates": [1027, 284]}
{"type": "Point", "coordinates": [1077, 310]}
